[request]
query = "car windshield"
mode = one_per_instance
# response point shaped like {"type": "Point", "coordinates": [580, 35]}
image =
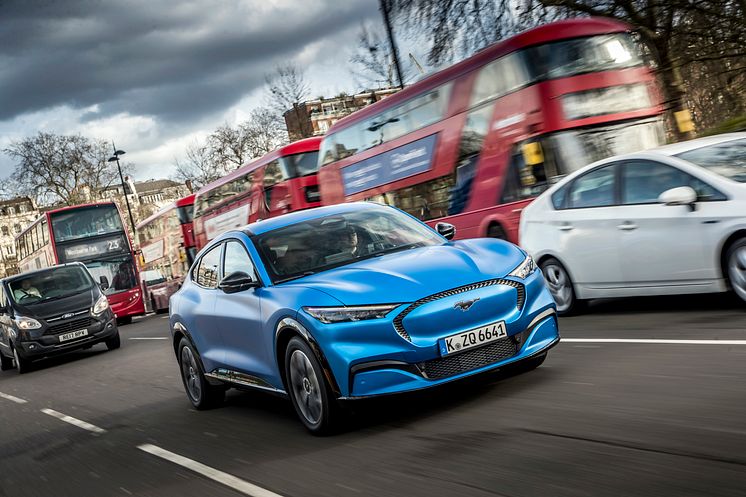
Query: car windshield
{"type": "Point", "coordinates": [54, 283]}
{"type": "Point", "coordinates": [727, 159]}
{"type": "Point", "coordinates": [319, 244]}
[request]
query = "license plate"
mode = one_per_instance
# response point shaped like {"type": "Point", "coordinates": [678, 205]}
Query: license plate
{"type": "Point", "coordinates": [72, 335]}
{"type": "Point", "coordinates": [472, 338]}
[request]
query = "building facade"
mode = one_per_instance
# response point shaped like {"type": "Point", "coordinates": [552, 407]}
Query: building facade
{"type": "Point", "coordinates": [15, 215]}
{"type": "Point", "coordinates": [315, 117]}
{"type": "Point", "coordinates": [145, 197]}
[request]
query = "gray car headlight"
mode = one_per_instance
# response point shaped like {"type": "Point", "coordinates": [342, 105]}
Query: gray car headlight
{"type": "Point", "coordinates": [101, 305]}
{"type": "Point", "coordinates": [343, 314]}
{"type": "Point", "coordinates": [524, 269]}
{"type": "Point", "coordinates": [25, 323]}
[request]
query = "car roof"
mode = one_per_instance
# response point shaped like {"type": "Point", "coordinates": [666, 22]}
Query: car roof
{"type": "Point", "coordinates": [274, 223]}
{"type": "Point", "coordinates": [29, 274]}
{"type": "Point", "coordinates": [685, 146]}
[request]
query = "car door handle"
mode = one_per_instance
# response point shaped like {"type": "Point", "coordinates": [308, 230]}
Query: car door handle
{"type": "Point", "coordinates": [566, 227]}
{"type": "Point", "coordinates": [627, 226]}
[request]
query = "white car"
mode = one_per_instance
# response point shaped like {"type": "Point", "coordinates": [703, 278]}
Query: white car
{"type": "Point", "coordinates": [670, 220]}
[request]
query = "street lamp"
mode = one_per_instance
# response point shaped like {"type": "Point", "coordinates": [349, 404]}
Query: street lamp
{"type": "Point", "coordinates": [115, 158]}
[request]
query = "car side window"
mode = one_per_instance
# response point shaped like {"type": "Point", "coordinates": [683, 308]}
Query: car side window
{"type": "Point", "coordinates": [643, 181]}
{"type": "Point", "coordinates": [208, 268]}
{"type": "Point", "coordinates": [237, 259]}
{"type": "Point", "coordinates": [594, 189]}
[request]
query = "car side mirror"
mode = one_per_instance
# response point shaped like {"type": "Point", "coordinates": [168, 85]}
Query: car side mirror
{"type": "Point", "coordinates": [238, 281]}
{"type": "Point", "coordinates": [681, 195]}
{"type": "Point", "coordinates": [446, 230]}
{"type": "Point", "coordinates": [103, 282]}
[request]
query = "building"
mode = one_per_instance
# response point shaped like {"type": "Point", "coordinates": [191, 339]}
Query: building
{"type": "Point", "coordinates": [15, 215]}
{"type": "Point", "coordinates": [315, 117]}
{"type": "Point", "coordinates": [145, 197]}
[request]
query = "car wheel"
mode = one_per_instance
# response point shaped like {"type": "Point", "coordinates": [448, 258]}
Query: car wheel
{"type": "Point", "coordinates": [114, 342]}
{"type": "Point", "coordinates": [736, 260]}
{"type": "Point", "coordinates": [201, 393]}
{"type": "Point", "coordinates": [6, 363]}
{"type": "Point", "coordinates": [496, 231]}
{"type": "Point", "coordinates": [308, 388]}
{"type": "Point", "coordinates": [560, 286]}
{"type": "Point", "coordinates": [23, 365]}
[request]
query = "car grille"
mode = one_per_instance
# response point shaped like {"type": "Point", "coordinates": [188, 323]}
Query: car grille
{"type": "Point", "coordinates": [398, 320]}
{"type": "Point", "coordinates": [77, 324]}
{"type": "Point", "coordinates": [469, 360]}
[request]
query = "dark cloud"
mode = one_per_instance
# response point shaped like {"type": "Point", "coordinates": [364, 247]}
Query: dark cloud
{"type": "Point", "coordinates": [168, 59]}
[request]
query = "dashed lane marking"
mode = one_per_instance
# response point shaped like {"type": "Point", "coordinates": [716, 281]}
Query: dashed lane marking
{"type": "Point", "coordinates": [74, 421]}
{"type": "Point", "coordinates": [148, 338]}
{"type": "Point", "coordinates": [654, 340]}
{"type": "Point", "coordinates": [224, 478]}
{"type": "Point", "coordinates": [12, 398]}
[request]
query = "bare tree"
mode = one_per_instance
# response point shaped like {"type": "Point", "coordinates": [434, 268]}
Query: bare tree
{"type": "Point", "coordinates": [286, 90]}
{"type": "Point", "coordinates": [198, 166]}
{"type": "Point", "coordinates": [263, 132]}
{"type": "Point", "coordinates": [65, 169]}
{"type": "Point", "coordinates": [373, 60]}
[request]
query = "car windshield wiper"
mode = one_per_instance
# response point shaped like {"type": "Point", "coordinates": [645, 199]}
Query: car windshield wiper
{"type": "Point", "coordinates": [396, 249]}
{"type": "Point", "coordinates": [295, 277]}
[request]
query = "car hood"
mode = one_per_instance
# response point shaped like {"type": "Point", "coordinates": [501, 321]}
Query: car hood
{"type": "Point", "coordinates": [410, 275]}
{"type": "Point", "coordinates": [52, 308]}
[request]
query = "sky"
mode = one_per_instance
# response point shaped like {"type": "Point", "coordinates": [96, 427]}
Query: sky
{"type": "Point", "coordinates": [155, 75]}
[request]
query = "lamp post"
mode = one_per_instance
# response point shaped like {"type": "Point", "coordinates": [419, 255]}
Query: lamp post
{"type": "Point", "coordinates": [389, 31]}
{"type": "Point", "coordinates": [115, 158]}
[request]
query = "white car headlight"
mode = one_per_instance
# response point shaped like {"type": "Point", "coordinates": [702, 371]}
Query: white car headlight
{"type": "Point", "coordinates": [344, 314]}
{"type": "Point", "coordinates": [524, 269]}
{"type": "Point", "coordinates": [25, 323]}
{"type": "Point", "coordinates": [101, 305]}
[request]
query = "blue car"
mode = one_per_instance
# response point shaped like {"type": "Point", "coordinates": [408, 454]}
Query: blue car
{"type": "Point", "coordinates": [351, 301]}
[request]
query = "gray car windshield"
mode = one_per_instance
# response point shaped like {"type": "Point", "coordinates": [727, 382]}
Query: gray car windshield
{"type": "Point", "coordinates": [727, 159]}
{"type": "Point", "coordinates": [54, 283]}
{"type": "Point", "coordinates": [319, 244]}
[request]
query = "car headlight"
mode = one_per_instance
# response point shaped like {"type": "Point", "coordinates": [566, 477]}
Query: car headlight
{"type": "Point", "coordinates": [524, 269]}
{"type": "Point", "coordinates": [344, 314]}
{"type": "Point", "coordinates": [25, 323]}
{"type": "Point", "coordinates": [101, 305]}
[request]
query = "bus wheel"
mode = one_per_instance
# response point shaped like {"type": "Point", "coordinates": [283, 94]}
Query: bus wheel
{"type": "Point", "coordinates": [496, 231]}
{"type": "Point", "coordinates": [124, 320]}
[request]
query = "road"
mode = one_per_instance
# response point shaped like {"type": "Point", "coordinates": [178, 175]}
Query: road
{"type": "Point", "coordinates": [598, 418]}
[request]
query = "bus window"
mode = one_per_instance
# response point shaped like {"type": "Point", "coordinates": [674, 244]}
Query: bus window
{"type": "Point", "coordinates": [472, 139]}
{"type": "Point", "coordinates": [425, 201]}
{"type": "Point", "coordinates": [523, 181]}
{"type": "Point", "coordinates": [499, 78]}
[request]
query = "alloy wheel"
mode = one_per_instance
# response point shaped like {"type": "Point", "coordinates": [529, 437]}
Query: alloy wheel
{"type": "Point", "coordinates": [190, 372]}
{"type": "Point", "coordinates": [559, 285]}
{"type": "Point", "coordinates": [306, 387]}
{"type": "Point", "coordinates": [737, 271]}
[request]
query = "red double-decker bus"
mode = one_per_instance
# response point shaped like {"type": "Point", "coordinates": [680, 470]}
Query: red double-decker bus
{"type": "Point", "coordinates": [472, 144]}
{"type": "Point", "coordinates": [280, 182]}
{"type": "Point", "coordinates": [93, 234]}
{"type": "Point", "coordinates": [167, 250]}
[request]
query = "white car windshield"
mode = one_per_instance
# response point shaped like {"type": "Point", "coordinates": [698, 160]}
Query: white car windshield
{"type": "Point", "coordinates": [727, 159]}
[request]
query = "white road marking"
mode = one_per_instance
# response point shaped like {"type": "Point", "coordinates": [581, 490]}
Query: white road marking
{"type": "Point", "coordinates": [148, 338]}
{"type": "Point", "coordinates": [74, 421]}
{"type": "Point", "coordinates": [12, 398]}
{"type": "Point", "coordinates": [164, 317]}
{"type": "Point", "coordinates": [211, 473]}
{"type": "Point", "coordinates": [654, 340]}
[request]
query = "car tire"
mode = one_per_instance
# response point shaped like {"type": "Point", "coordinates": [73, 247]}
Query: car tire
{"type": "Point", "coordinates": [200, 392]}
{"type": "Point", "coordinates": [308, 389]}
{"type": "Point", "coordinates": [114, 342]}
{"type": "Point", "coordinates": [23, 365]}
{"type": "Point", "coordinates": [6, 363]}
{"type": "Point", "coordinates": [735, 259]}
{"type": "Point", "coordinates": [496, 231]}
{"type": "Point", "coordinates": [561, 287]}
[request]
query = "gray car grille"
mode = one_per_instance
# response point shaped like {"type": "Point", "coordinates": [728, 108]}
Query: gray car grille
{"type": "Point", "coordinates": [520, 299]}
{"type": "Point", "coordinates": [471, 359]}
{"type": "Point", "coordinates": [74, 325]}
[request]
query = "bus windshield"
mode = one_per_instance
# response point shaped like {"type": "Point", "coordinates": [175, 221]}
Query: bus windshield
{"type": "Point", "coordinates": [86, 222]}
{"type": "Point", "coordinates": [298, 165]}
{"type": "Point", "coordinates": [118, 272]}
{"type": "Point", "coordinates": [582, 55]}
{"type": "Point", "coordinates": [185, 213]}
{"type": "Point", "coordinates": [51, 284]}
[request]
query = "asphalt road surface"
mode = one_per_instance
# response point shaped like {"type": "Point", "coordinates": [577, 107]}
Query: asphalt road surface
{"type": "Point", "coordinates": [636, 417]}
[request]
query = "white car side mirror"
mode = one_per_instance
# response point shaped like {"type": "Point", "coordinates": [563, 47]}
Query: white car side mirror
{"type": "Point", "coordinates": [681, 195]}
